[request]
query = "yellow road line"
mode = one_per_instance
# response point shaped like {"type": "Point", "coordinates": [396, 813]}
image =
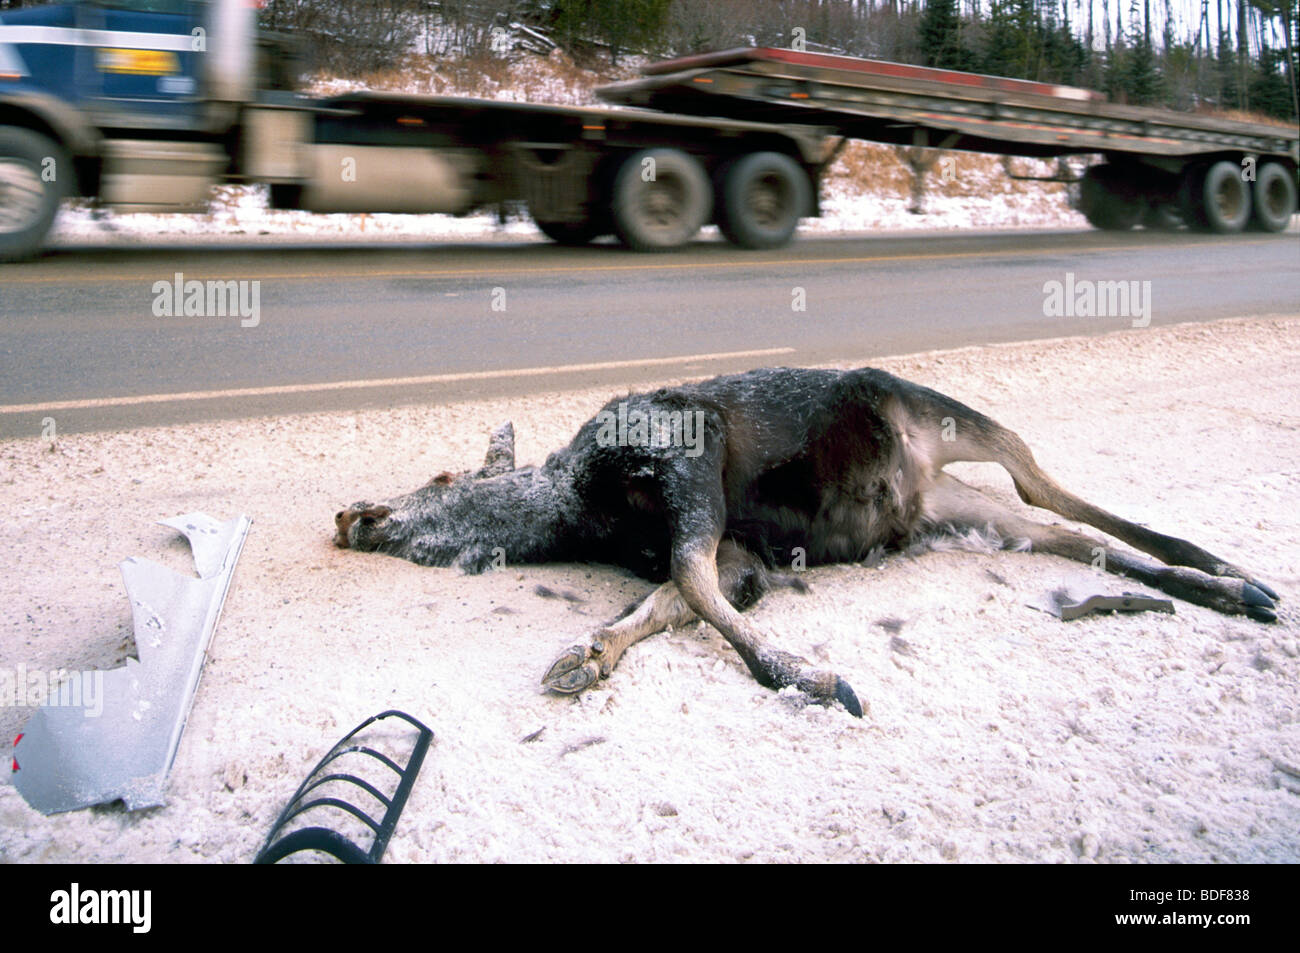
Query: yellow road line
{"type": "Point", "coordinates": [389, 382]}
{"type": "Point", "coordinates": [506, 270]}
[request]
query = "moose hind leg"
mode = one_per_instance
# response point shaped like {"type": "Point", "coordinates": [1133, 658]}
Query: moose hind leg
{"type": "Point", "coordinates": [978, 438]}
{"type": "Point", "coordinates": [953, 502]}
{"type": "Point", "coordinates": [743, 581]}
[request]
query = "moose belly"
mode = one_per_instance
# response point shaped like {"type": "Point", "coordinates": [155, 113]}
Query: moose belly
{"type": "Point", "coordinates": [848, 528]}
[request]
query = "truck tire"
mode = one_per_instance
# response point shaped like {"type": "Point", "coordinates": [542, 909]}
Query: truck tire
{"type": "Point", "coordinates": [1163, 217]}
{"type": "Point", "coordinates": [28, 202]}
{"type": "Point", "coordinates": [1216, 198]}
{"type": "Point", "coordinates": [660, 205]}
{"type": "Point", "coordinates": [1273, 198]}
{"type": "Point", "coordinates": [764, 194]}
{"type": "Point", "coordinates": [573, 234]}
{"type": "Point", "coordinates": [1110, 200]}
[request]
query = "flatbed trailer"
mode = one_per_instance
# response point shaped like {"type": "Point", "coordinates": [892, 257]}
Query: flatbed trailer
{"type": "Point", "coordinates": [1160, 165]}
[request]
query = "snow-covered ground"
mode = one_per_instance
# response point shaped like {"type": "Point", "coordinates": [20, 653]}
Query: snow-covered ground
{"type": "Point", "coordinates": [995, 732]}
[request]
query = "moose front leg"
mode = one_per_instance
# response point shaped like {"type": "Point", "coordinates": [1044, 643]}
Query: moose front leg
{"type": "Point", "coordinates": [695, 572]}
{"type": "Point", "coordinates": [742, 578]}
{"type": "Point", "coordinates": [579, 667]}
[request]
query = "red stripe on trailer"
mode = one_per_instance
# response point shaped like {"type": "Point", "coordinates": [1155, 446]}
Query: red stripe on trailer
{"type": "Point", "coordinates": [907, 71]}
{"type": "Point", "coordinates": [873, 67]}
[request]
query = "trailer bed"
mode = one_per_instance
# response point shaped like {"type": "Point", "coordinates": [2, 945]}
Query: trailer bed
{"type": "Point", "coordinates": [911, 105]}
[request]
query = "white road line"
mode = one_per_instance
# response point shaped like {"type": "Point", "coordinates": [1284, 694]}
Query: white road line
{"type": "Point", "coordinates": [389, 382]}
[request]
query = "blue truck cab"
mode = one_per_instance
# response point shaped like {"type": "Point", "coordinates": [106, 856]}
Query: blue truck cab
{"type": "Point", "coordinates": [126, 64]}
{"type": "Point", "coordinates": [140, 104]}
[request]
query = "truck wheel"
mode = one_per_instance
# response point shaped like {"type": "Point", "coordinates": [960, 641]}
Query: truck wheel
{"type": "Point", "coordinates": [1110, 200]}
{"type": "Point", "coordinates": [28, 202]}
{"type": "Point", "coordinates": [1163, 217]}
{"type": "Point", "coordinates": [571, 233]}
{"type": "Point", "coordinates": [764, 194]}
{"type": "Point", "coordinates": [660, 204]}
{"type": "Point", "coordinates": [1273, 197]}
{"type": "Point", "coordinates": [1216, 198]}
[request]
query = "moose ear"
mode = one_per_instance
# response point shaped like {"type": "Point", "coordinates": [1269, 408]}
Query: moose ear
{"type": "Point", "coordinates": [442, 479]}
{"type": "Point", "coordinates": [501, 451]}
{"type": "Point", "coordinates": [372, 513]}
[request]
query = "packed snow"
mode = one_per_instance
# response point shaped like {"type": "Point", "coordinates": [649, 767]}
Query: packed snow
{"type": "Point", "coordinates": [994, 732]}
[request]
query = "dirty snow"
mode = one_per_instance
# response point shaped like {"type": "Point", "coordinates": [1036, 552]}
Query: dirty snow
{"type": "Point", "coordinates": [994, 732]}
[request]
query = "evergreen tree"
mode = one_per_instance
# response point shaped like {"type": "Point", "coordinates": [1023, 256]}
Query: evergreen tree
{"type": "Point", "coordinates": [939, 34]}
{"type": "Point", "coordinates": [1063, 56]}
{"type": "Point", "coordinates": [1229, 76]}
{"type": "Point", "coordinates": [1141, 78]}
{"type": "Point", "coordinates": [1002, 41]}
{"type": "Point", "coordinates": [1269, 90]}
{"type": "Point", "coordinates": [1114, 75]}
{"type": "Point", "coordinates": [1133, 74]}
{"type": "Point", "coordinates": [622, 24]}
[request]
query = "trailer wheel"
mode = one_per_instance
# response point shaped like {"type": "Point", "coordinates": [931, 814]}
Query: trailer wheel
{"type": "Point", "coordinates": [661, 198]}
{"type": "Point", "coordinates": [1273, 197]}
{"type": "Point", "coordinates": [1163, 217]}
{"type": "Point", "coordinates": [764, 194]}
{"type": "Point", "coordinates": [1216, 198]}
{"type": "Point", "coordinates": [571, 233]}
{"type": "Point", "coordinates": [34, 176]}
{"type": "Point", "coordinates": [1110, 200]}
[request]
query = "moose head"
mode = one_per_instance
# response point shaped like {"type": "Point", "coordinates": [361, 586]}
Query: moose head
{"type": "Point", "coordinates": [367, 527]}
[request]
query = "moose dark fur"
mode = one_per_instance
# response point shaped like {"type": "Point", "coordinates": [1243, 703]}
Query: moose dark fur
{"type": "Point", "coordinates": [817, 465]}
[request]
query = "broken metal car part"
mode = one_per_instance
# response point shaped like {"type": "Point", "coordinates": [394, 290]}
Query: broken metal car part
{"type": "Point", "coordinates": [1067, 607]}
{"type": "Point", "coordinates": [67, 757]}
{"type": "Point", "coordinates": [280, 845]}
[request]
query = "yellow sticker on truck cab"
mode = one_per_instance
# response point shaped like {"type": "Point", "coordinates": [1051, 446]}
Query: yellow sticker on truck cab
{"type": "Point", "coordinates": [138, 62]}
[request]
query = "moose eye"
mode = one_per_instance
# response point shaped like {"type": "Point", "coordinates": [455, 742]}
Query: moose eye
{"type": "Point", "coordinates": [338, 515]}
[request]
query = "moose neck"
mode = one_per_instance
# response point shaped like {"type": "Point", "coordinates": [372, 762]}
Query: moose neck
{"type": "Point", "coordinates": [527, 515]}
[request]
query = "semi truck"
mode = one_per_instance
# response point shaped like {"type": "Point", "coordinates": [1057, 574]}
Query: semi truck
{"type": "Point", "coordinates": [145, 105]}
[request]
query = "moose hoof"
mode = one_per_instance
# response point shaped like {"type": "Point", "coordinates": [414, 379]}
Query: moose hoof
{"type": "Point", "coordinates": [1267, 590]}
{"type": "Point", "coordinates": [1258, 602]}
{"type": "Point", "coordinates": [826, 688]}
{"type": "Point", "coordinates": [573, 672]}
{"type": "Point", "coordinates": [845, 695]}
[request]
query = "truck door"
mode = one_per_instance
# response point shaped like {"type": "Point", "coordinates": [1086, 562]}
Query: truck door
{"type": "Point", "coordinates": [144, 62]}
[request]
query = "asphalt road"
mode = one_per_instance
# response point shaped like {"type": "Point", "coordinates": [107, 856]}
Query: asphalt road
{"type": "Point", "coordinates": [344, 327]}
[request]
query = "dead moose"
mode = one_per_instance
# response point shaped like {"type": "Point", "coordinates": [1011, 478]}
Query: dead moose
{"type": "Point", "coordinates": [820, 465]}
